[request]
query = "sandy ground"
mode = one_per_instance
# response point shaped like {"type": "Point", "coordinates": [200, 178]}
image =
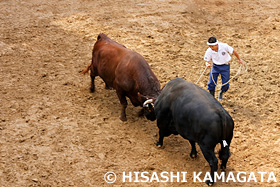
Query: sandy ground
{"type": "Point", "coordinates": [54, 132]}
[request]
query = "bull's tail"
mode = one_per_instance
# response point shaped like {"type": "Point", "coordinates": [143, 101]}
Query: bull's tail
{"type": "Point", "coordinates": [224, 153]}
{"type": "Point", "coordinates": [85, 71]}
{"type": "Point", "coordinates": [224, 128]}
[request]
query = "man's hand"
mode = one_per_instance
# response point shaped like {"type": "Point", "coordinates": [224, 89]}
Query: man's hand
{"type": "Point", "coordinates": [237, 56]}
{"type": "Point", "coordinates": [208, 65]}
{"type": "Point", "coordinates": [240, 61]}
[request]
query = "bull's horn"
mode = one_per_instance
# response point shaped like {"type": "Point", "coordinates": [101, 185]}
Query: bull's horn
{"type": "Point", "coordinates": [145, 104]}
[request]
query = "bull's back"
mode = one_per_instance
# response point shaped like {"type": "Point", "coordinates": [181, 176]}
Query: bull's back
{"type": "Point", "coordinates": [134, 75]}
{"type": "Point", "coordinates": [113, 61]}
{"type": "Point", "coordinates": [123, 69]}
{"type": "Point", "coordinates": [186, 93]}
{"type": "Point", "coordinates": [192, 109]}
{"type": "Point", "coordinates": [107, 55]}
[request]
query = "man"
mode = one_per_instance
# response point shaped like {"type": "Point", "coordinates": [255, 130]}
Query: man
{"type": "Point", "coordinates": [219, 53]}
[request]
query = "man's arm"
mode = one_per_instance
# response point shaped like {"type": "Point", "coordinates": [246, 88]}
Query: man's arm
{"type": "Point", "coordinates": [237, 56]}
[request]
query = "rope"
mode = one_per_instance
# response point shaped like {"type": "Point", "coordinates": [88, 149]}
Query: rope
{"type": "Point", "coordinates": [201, 75]}
{"type": "Point", "coordinates": [242, 68]}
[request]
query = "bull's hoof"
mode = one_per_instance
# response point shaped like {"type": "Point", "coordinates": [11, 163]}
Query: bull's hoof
{"type": "Point", "coordinates": [109, 88]}
{"type": "Point", "coordinates": [209, 183]}
{"type": "Point", "coordinates": [223, 168]}
{"type": "Point", "coordinates": [159, 145]}
{"type": "Point", "coordinates": [193, 155]}
{"type": "Point", "coordinates": [92, 89]}
{"type": "Point", "coordinates": [123, 118]}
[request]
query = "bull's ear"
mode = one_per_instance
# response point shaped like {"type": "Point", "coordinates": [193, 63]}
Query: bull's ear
{"type": "Point", "coordinates": [141, 97]}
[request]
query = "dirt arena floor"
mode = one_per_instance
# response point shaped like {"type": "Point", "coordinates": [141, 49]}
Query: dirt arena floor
{"type": "Point", "coordinates": [54, 132]}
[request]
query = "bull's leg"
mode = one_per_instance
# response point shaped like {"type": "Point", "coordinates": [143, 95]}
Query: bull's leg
{"type": "Point", "coordinates": [162, 133]}
{"type": "Point", "coordinates": [123, 102]}
{"type": "Point", "coordinates": [160, 140]}
{"type": "Point", "coordinates": [163, 124]}
{"type": "Point", "coordinates": [211, 158]}
{"type": "Point", "coordinates": [193, 153]}
{"type": "Point", "coordinates": [92, 76]}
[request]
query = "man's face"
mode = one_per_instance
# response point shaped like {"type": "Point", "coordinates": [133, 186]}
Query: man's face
{"type": "Point", "coordinates": [214, 47]}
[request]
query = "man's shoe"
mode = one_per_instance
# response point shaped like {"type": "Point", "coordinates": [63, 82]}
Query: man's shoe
{"type": "Point", "coordinates": [220, 97]}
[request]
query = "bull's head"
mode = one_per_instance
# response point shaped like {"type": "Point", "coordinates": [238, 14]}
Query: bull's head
{"type": "Point", "coordinates": [149, 110]}
{"type": "Point", "coordinates": [148, 106]}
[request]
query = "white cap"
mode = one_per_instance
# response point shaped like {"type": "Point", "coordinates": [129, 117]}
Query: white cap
{"type": "Point", "coordinates": [213, 43]}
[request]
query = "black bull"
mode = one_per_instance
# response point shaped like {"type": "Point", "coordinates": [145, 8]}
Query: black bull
{"type": "Point", "coordinates": [186, 109]}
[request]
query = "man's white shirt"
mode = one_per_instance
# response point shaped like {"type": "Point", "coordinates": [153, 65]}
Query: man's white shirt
{"type": "Point", "coordinates": [221, 57]}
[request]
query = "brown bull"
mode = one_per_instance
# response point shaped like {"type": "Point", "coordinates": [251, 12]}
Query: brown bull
{"type": "Point", "coordinates": [124, 70]}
